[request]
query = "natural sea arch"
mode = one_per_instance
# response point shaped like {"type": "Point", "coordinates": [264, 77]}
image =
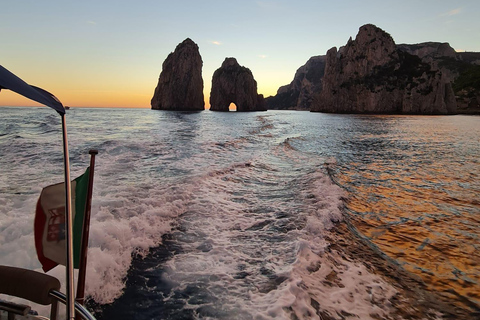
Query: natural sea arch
{"type": "Point", "coordinates": [232, 83]}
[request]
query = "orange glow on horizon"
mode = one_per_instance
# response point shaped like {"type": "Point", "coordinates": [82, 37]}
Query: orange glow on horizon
{"type": "Point", "coordinates": [94, 99]}
{"type": "Point", "coordinates": [79, 99]}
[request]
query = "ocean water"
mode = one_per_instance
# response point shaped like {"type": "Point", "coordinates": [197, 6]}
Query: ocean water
{"type": "Point", "coordinates": [236, 215]}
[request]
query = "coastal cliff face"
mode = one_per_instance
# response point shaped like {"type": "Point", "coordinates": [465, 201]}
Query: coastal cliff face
{"type": "Point", "coordinates": [439, 54]}
{"type": "Point", "coordinates": [180, 85]}
{"type": "Point", "coordinates": [429, 49]}
{"type": "Point", "coordinates": [298, 95]}
{"type": "Point", "coordinates": [235, 83]}
{"type": "Point", "coordinates": [370, 75]}
{"type": "Point", "coordinates": [462, 68]}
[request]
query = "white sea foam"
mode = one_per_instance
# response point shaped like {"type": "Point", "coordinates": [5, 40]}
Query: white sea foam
{"type": "Point", "coordinates": [252, 213]}
{"type": "Point", "coordinates": [128, 218]}
{"type": "Point", "coordinates": [124, 222]}
{"type": "Point", "coordinates": [299, 262]}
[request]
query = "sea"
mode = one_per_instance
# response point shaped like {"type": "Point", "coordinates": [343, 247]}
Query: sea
{"type": "Point", "coordinates": [259, 215]}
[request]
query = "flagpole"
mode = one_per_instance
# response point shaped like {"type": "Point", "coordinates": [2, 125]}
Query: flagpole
{"type": "Point", "coordinates": [70, 305]}
{"type": "Point", "coordinates": [85, 233]}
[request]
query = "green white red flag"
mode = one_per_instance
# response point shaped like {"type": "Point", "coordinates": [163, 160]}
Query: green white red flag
{"type": "Point", "coordinates": [49, 227]}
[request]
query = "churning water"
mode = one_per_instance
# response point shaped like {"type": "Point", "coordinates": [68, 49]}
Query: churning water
{"type": "Point", "coordinates": [233, 215]}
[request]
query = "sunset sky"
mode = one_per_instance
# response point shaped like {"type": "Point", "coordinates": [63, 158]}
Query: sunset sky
{"type": "Point", "coordinates": [109, 53]}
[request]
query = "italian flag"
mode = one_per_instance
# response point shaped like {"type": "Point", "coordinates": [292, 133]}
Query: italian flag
{"type": "Point", "coordinates": [49, 226]}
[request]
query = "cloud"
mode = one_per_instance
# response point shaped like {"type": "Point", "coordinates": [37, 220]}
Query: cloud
{"type": "Point", "coordinates": [217, 43]}
{"type": "Point", "coordinates": [263, 56]}
{"type": "Point", "coordinates": [451, 12]}
{"type": "Point", "coordinates": [91, 22]}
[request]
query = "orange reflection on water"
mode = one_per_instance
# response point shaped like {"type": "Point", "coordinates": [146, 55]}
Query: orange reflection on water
{"type": "Point", "coordinates": [404, 212]}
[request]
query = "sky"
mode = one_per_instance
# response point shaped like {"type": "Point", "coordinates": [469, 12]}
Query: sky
{"type": "Point", "coordinates": [106, 53]}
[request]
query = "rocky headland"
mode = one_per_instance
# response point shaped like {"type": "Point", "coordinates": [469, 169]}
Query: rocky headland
{"type": "Point", "coordinates": [462, 69]}
{"type": "Point", "coordinates": [232, 83]}
{"type": "Point", "coordinates": [180, 85]}
{"type": "Point", "coordinates": [372, 74]}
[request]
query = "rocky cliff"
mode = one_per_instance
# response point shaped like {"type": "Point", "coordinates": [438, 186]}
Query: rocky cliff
{"type": "Point", "coordinates": [370, 75]}
{"type": "Point", "coordinates": [429, 49]}
{"type": "Point", "coordinates": [439, 54]}
{"type": "Point", "coordinates": [180, 85]}
{"type": "Point", "coordinates": [298, 95]}
{"type": "Point", "coordinates": [462, 68]}
{"type": "Point", "coordinates": [235, 83]}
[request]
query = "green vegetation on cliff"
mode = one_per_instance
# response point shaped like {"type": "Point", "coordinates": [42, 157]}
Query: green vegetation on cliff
{"type": "Point", "coordinates": [468, 80]}
{"type": "Point", "coordinates": [467, 88]}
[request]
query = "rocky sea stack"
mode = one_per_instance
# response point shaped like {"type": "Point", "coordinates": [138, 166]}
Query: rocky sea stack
{"type": "Point", "coordinates": [371, 75]}
{"type": "Point", "coordinates": [232, 83]}
{"type": "Point", "coordinates": [180, 85]}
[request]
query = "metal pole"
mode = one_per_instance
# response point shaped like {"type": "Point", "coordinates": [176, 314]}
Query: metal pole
{"type": "Point", "coordinates": [70, 305]}
{"type": "Point", "coordinates": [85, 233]}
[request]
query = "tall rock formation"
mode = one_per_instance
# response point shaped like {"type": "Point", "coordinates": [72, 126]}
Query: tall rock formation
{"type": "Point", "coordinates": [235, 83]}
{"type": "Point", "coordinates": [370, 75]}
{"type": "Point", "coordinates": [180, 85]}
{"type": "Point", "coordinates": [298, 95]}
